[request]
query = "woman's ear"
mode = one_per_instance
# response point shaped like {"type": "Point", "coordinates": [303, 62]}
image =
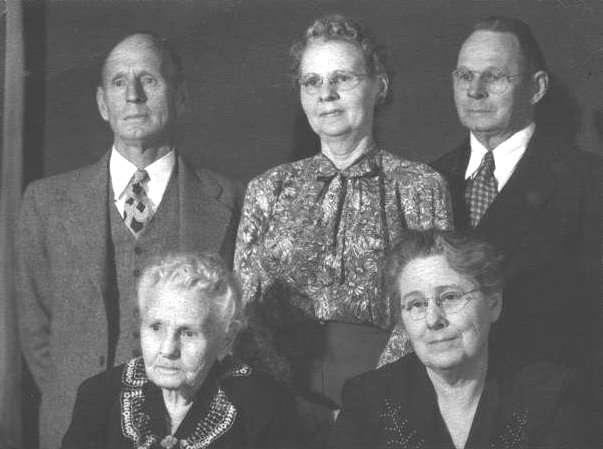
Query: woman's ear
{"type": "Point", "coordinates": [495, 301]}
{"type": "Point", "coordinates": [229, 340]}
{"type": "Point", "coordinates": [383, 87]}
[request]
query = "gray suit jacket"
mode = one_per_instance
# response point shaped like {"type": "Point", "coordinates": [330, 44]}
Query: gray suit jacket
{"type": "Point", "coordinates": [63, 279]}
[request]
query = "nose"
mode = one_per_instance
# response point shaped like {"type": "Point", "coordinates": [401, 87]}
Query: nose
{"type": "Point", "coordinates": [477, 89]}
{"type": "Point", "coordinates": [170, 346]}
{"type": "Point", "coordinates": [135, 92]}
{"type": "Point", "coordinates": [435, 318]}
{"type": "Point", "coordinates": [328, 92]}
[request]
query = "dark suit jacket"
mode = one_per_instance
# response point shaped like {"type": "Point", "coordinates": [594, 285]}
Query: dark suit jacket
{"type": "Point", "coordinates": [63, 274]}
{"type": "Point", "coordinates": [263, 419]}
{"type": "Point", "coordinates": [546, 221]}
{"type": "Point", "coordinates": [396, 406]}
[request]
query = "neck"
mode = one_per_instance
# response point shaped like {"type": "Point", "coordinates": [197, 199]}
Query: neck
{"type": "Point", "coordinates": [177, 405]}
{"type": "Point", "coordinates": [140, 155]}
{"type": "Point", "coordinates": [462, 384]}
{"type": "Point", "coordinates": [491, 141]}
{"type": "Point", "coordinates": [344, 152]}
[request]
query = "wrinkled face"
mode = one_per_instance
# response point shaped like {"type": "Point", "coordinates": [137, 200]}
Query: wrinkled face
{"type": "Point", "coordinates": [446, 341]}
{"type": "Point", "coordinates": [138, 97]}
{"type": "Point", "coordinates": [333, 113]}
{"type": "Point", "coordinates": [485, 113]}
{"type": "Point", "coordinates": [179, 338]}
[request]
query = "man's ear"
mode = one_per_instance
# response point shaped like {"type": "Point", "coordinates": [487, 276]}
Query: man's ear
{"type": "Point", "coordinates": [182, 96]}
{"type": "Point", "coordinates": [100, 102]}
{"type": "Point", "coordinates": [495, 302]}
{"type": "Point", "coordinates": [540, 83]}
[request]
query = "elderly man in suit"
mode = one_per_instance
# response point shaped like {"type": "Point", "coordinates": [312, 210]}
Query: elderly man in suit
{"type": "Point", "coordinates": [530, 193]}
{"type": "Point", "coordinates": [84, 236]}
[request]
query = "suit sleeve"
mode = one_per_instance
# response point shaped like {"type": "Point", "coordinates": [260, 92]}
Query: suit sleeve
{"type": "Point", "coordinates": [33, 282]}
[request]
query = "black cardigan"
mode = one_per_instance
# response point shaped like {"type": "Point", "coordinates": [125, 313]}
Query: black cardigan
{"type": "Point", "coordinates": [234, 408]}
{"type": "Point", "coordinates": [520, 407]}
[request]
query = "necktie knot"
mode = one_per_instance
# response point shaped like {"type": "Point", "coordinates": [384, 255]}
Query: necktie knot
{"type": "Point", "coordinates": [137, 207]}
{"type": "Point", "coordinates": [487, 166]}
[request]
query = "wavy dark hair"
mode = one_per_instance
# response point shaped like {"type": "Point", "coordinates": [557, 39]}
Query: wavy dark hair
{"type": "Point", "coordinates": [467, 255]}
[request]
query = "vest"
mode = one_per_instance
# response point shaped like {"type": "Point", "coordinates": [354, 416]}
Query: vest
{"type": "Point", "coordinates": [131, 255]}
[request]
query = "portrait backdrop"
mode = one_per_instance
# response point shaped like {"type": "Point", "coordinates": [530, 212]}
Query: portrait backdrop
{"type": "Point", "coordinates": [244, 114]}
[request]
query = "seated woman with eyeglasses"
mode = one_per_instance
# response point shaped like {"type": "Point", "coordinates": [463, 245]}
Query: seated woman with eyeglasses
{"type": "Point", "coordinates": [313, 232]}
{"type": "Point", "coordinates": [454, 391]}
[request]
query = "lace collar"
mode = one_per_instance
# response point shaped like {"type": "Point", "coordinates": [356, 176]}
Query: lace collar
{"type": "Point", "coordinates": [136, 422]}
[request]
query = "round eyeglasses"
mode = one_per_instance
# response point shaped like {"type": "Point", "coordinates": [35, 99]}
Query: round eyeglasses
{"type": "Point", "coordinates": [340, 80]}
{"type": "Point", "coordinates": [495, 82]}
{"type": "Point", "coordinates": [449, 302]}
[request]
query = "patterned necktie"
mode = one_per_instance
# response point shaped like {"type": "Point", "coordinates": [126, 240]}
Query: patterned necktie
{"type": "Point", "coordinates": [482, 189]}
{"type": "Point", "coordinates": [137, 208]}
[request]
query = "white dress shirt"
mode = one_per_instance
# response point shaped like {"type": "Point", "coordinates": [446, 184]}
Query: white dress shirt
{"type": "Point", "coordinates": [121, 171]}
{"type": "Point", "coordinates": [506, 155]}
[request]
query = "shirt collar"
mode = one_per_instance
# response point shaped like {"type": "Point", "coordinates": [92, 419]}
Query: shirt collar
{"type": "Point", "coordinates": [506, 155]}
{"type": "Point", "coordinates": [122, 170]}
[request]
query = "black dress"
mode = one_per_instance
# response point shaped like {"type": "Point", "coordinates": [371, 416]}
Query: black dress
{"type": "Point", "coordinates": [520, 407]}
{"type": "Point", "coordinates": [234, 408]}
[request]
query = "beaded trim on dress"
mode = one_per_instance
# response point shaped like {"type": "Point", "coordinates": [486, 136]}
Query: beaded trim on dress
{"type": "Point", "coordinates": [135, 423]}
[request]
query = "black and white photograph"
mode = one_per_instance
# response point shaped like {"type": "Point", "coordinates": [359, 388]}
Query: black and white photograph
{"type": "Point", "coordinates": [301, 224]}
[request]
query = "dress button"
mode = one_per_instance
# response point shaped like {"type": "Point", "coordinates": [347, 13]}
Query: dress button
{"type": "Point", "coordinates": [137, 250]}
{"type": "Point", "coordinates": [136, 353]}
{"type": "Point", "coordinates": [136, 272]}
{"type": "Point", "coordinates": [101, 360]}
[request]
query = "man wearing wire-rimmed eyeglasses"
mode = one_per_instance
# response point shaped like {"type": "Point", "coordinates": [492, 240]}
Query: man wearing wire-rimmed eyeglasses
{"type": "Point", "coordinates": [527, 189]}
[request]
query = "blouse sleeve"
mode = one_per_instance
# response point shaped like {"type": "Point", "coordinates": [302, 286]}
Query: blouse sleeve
{"type": "Point", "coordinates": [432, 204]}
{"type": "Point", "coordinates": [254, 222]}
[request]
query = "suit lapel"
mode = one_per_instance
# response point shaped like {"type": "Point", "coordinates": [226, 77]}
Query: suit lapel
{"type": "Point", "coordinates": [510, 215]}
{"type": "Point", "coordinates": [456, 184]}
{"type": "Point", "coordinates": [86, 220]}
{"type": "Point", "coordinates": [203, 218]}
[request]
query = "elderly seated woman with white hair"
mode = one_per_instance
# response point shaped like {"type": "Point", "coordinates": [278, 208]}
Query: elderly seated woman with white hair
{"type": "Point", "coordinates": [185, 391]}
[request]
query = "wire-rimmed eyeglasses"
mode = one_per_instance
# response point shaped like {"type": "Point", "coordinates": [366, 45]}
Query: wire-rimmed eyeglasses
{"type": "Point", "coordinates": [448, 301]}
{"type": "Point", "coordinates": [495, 82]}
{"type": "Point", "coordinates": [340, 80]}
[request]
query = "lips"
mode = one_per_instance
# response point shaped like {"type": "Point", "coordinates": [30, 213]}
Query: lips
{"type": "Point", "coordinates": [442, 340]}
{"type": "Point", "coordinates": [168, 369]}
{"type": "Point", "coordinates": [331, 113]}
{"type": "Point", "coordinates": [136, 117]}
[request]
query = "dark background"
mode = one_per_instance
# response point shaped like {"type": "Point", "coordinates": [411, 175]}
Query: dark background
{"type": "Point", "coordinates": [245, 117]}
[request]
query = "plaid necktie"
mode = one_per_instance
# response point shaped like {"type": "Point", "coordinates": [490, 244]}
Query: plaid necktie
{"type": "Point", "coordinates": [137, 208]}
{"type": "Point", "coordinates": [482, 189]}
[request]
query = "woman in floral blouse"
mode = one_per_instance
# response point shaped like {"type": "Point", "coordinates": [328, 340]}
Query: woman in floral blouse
{"type": "Point", "coordinates": [314, 232]}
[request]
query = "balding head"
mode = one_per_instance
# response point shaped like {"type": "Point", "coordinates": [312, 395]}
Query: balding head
{"type": "Point", "coordinates": [141, 93]}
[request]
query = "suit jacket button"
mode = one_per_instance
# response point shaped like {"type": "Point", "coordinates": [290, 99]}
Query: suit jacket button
{"type": "Point", "coordinates": [136, 353]}
{"type": "Point", "coordinates": [136, 272]}
{"type": "Point", "coordinates": [101, 360]}
{"type": "Point", "coordinates": [137, 250]}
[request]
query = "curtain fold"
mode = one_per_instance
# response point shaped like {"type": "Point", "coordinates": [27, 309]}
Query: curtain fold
{"type": "Point", "coordinates": [10, 194]}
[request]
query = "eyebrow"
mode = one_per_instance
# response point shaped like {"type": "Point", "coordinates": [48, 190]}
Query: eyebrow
{"type": "Point", "coordinates": [439, 289]}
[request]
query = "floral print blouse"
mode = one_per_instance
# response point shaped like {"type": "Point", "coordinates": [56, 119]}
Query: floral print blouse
{"type": "Point", "coordinates": [320, 234]}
